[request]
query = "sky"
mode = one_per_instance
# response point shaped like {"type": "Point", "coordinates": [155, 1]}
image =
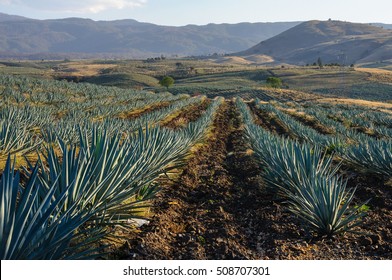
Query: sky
{"type": "Point", "coordinates": [200, 12]}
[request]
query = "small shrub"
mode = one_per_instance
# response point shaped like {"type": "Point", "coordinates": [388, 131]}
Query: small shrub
{"type": "Point", "coordinates": [274, 82]}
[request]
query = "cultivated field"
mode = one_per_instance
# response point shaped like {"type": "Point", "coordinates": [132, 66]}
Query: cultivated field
{"type": "Point", "coordinates": [222, 167]}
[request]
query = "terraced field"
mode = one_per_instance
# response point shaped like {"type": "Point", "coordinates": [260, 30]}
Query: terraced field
{"type": "Point", "coordinates": [103, 172]}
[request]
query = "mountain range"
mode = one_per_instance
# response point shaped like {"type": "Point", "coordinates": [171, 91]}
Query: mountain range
{"type": "Point", "coordinates": [261, 43]}
{"type": "Point", "coordinates": [331, 41]}
{"type": "Point", "coordinates": [77, 37]}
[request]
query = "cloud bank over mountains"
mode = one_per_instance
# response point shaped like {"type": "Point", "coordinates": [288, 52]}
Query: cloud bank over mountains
{"type": "Point", "coordinates": [76, 6]}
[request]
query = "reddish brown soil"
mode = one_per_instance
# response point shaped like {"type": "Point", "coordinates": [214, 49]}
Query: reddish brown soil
{"type": "Point", "coordinates": [202, 215]}
{"type": "Point", "coordinates": [138, 113]}
{"type": "Point", "coordinates": [376, 236]}
{"type": "Point", "coordinates": [219, 208]}
{"type": "Point", "coordinates": [188, 114]}
{"type": "Point", "coordinates": [366, 131]}
{"type": "Point", "coordinates": [269, 121]}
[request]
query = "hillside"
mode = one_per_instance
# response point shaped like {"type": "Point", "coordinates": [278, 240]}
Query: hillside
{"type": "Point", "coordinates": [383, 25]}
{"type": "Point", "coordinates": [5, 17]}
{"type": "Point", "coordinates": [75, 37]}
{"type": "Point", "coordinates": [332, 41]}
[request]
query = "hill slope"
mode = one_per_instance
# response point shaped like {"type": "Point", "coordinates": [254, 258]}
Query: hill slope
{"type": "Point", "coordinates": [5, 17]}
{"type": "Point", "coordinates": [332, 41]}
{"type": "Point", "coordinates": [78, 37]}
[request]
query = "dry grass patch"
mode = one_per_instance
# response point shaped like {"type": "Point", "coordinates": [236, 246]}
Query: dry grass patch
{"type": "Point", "coordinates": [377, 75]}
{"type": "Point", "coordinates": [359, 102]}
{"type": "Point", "coordinates": [82, 69]}
{"type": "Point", "coordinates": [290, 94]}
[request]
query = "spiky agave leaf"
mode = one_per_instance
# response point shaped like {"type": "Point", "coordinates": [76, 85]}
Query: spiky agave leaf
{"type": "Point", "coordinates": [373, 156]}
{"type": "Point", "coordinates": [33, 227]}
{"type": "Point", "coordinates": [108, 173]}
{"type": "Point", "coordinates": [15, 138]}
{"type": "Point", "coordinates": [305, 176]}
{"type": "Point", "coordinates": [324, 203]}
{"type": "Point", "coordinates": [292, 164]}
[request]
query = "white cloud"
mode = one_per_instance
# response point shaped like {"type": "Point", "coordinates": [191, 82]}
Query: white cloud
{"type": "Point", "coordinates": [76, 6]}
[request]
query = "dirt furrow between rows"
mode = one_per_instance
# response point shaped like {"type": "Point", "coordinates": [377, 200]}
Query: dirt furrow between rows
{"type": "Point", "coordinates": [309, 121]}
{"type": "Point", "coordinates": [139, 112]}
{"type": "Point", "coordinates": [209, 212]}
{"type": "Point", "coordinates": [269, 121]}
{"type": "Point", "coordinates": [188, 114]}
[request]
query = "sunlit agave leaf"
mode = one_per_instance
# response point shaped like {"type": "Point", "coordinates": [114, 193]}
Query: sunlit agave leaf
{"type": "Point", "coordinates": [373, 156]}
{"type": "Point", "coordinates": [306, 178]}
{"type": "Point", "coordinates": [33, 227]}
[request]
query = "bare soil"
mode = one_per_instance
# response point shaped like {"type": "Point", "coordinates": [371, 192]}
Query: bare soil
{"type": "Point", "coordinates": [188, 114]}
{"type": "Point", "coordinates": [360, 102]}
{"type": "Point", "coordinates": [142, 111]}
{"type": "Point", "coordinates": [269, 122]}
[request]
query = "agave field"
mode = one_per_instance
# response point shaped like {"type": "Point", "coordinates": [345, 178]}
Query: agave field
{"type": "Point", "coordinates": [101, 172]}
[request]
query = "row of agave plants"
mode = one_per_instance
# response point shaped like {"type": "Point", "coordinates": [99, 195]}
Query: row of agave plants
{"type": "Point", "coordinates": [26, 128]}
{"type": "Point", "coordinates": [21, 89]}
{"type": "Point", "coordinates": [25, 125]}
{"type": "Point", "coordinates": [304, 175]}
{"type": "Point", "coordinates": [367, 153]}
{"type": "Point", "coordinates": [52, 101]}
{"type": "Point", "coordinates": [347, 118]}
{"type": "Point", "coordinates": [72, 198]}
{"type": "Point", "coordinates": [371, 154]}
{"type": "Point", "coordinates": [91, 176]}
{"type": "Point", "coordinates": [65, 128]}
{"type": "Point", "coordinates": [308, 134]}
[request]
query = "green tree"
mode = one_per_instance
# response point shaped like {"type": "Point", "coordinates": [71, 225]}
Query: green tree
{"type": "Point", "coordinates": [274, 82]}
{"type": "Point", "coordinates": [166, 81]}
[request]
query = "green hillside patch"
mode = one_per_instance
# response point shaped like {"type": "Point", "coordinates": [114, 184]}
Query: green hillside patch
{"type": "Point", "coordinates": [337, 82]}
{"type": "Point", "coordinates": [18, 68]}
{"type": "Point", "coordinates": [368, 91]}
{"type": "Point", "coordinates": [124, 80]}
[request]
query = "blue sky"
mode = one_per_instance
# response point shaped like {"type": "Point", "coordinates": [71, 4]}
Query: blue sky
{"type": "Point", "coordinates": [182, 12]}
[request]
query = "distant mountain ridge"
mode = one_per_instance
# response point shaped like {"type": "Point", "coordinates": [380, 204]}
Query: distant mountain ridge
{"type": "Point", "coordinates": [331, 41]}
{"type": "Point", "coordinates": [5, 17]}
{"type": "Point", "coordinates": [281, 42]}
{"type": "Point", "coordinates": [77, 37]}
{"type": "Point", "coordinates": [383, 25]}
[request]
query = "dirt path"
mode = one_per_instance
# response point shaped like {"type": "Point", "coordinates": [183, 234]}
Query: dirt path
{"type": "Point", "coordinates": [209, 213]}
{"type": "Point", "coordinates": [188, 114]}
{"type": "Point", "coordinates": [269, 121]}
{"type": "Point", "coordinates": [137, 113]}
